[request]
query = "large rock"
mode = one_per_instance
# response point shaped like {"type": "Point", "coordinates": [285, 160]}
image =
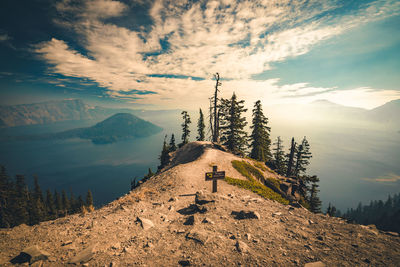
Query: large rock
{"type": "Point", "coordinates": [202, 198]}
{"type": "Point", "coordinates": [145, 223]}
{"type": "Point", "coordinates": [242, 247]}
{"type": "Point", "coordinates": [198, 235]}
{"type": "Point", "coordinates": [84, 256]}
{"type": "Point", "coordinates": [31, 254]}
{"type": "Point", "coordinates": [240, 215]}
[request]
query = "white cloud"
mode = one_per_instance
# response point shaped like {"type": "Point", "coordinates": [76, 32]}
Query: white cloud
{"type": "Point", "coordinates": [390, 178]}
{"type": "Point", "coordinates": [4, 37]}
{"type": "Point", "coordinates": [236, 38]}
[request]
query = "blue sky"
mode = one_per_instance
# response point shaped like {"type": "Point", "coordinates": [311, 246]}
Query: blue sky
{"type": "Point", "coordinates": [162, 54]}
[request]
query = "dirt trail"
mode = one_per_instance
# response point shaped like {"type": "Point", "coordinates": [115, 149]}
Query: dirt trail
{"type": "Point", "coordinates": [161, 224]}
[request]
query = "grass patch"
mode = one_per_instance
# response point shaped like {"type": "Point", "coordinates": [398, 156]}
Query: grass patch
{"type": "Point", "coordinates": [260, 165]}
{"type": "Point", "coordinates": [275, 182]}
{"type": "Point", "coordinates": [257, 188]}
{"type": "Point", "coordinates": [247, 170]}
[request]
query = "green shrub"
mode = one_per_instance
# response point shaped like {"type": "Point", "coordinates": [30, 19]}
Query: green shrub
{"type": "Point", "coordinates": [257, 188]}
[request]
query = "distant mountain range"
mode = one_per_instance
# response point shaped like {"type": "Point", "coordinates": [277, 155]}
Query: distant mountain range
{"type": "Point", "coordinates": [70, 110]}
{"type": "Point", "coordinates": [118, 127]}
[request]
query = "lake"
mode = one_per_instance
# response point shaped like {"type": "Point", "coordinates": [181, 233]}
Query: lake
{"type": "Point", "coordinates": [346, 160]}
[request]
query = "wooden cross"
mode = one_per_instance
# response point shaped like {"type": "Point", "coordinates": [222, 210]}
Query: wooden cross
{"type": "Point", "coordinates": [214, 175]}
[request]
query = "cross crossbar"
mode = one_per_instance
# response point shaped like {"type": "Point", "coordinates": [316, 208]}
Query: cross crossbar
{"type": "Point", "coordinates": [214, 176]}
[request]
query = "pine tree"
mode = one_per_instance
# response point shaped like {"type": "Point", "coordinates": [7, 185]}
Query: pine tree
{"type": "Point", "coordinates": [164, 157]}
{"type": "Point", "coordinates": [290, 159]}
{"type": "Point", "coordinates": [80, 204]}
{"type": "Point", "coordinates": [279, 156]}
{"type": "Point", "coordinates": [172, 145]}
{"type": "Point", "coordinates": [232, 126]}
{"type": "Point", "coordinates": [302, 158]}
{"type": "Point", "coordinates": [313, 199]}
{"type": "Point", "coordinates": [6, 193]}
{"type": "Point", "coordinates": [65, 202]}
{"type": "Point", "coordinates": [58, 204]}
{"type": "Point", "coordinates": [201, 127]}
{"type": "Point", "coordinates": [260, 140]}
{"type": "Point", "coordinates": [72, 204]}
{"type": "Point", "coordinates": [185, 128]}
{"type": "Point", "coordinates": [20, 204]}
{"type": "Point", "coordinates": [89, 200]}
{"type": "Point", "coordinates": [51, 208]}
{"type": "Point", "coordinates": [37, 206]}
{"type": "Point", "coordinates": [331, 211]}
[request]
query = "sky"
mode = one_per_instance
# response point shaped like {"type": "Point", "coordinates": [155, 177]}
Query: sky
{"type": "Point", "coordinates": [163, 54]}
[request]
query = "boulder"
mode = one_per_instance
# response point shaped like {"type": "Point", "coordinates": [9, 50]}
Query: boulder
{"type": "Point", "coordinates": [202, 198]}
{"type": "Point", "coordinates": [145, 223]}
{"type": "Point", "coordinates": [31, 254]}
{"type": "Point", "coordinates": [246, 215]}
{"type": "Point", "coordinates": [84, 256]}
{"type": "Point", "coordinates": [241, 247]}
{"type": "Point", "coordinates": [198, 236]}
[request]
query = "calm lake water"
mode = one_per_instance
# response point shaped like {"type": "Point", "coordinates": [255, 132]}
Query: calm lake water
{"type": "Point", "coordinates": [346, 160]}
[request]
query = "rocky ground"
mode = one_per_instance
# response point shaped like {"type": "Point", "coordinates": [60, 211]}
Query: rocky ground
{"type": "Point", "coordinates": [165, 223]}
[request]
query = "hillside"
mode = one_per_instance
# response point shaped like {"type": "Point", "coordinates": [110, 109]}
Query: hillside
{"type": "Point", "coordinates": [172, 219]}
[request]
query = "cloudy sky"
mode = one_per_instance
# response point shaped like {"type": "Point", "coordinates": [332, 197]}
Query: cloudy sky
{"type": "Point", "coordinates": [163, 54]}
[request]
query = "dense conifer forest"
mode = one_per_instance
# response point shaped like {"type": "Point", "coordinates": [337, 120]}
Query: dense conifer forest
{"type": "Point", "coordinates": [384, 215]}
{"type": "Point", "coordinates": [21, 205]}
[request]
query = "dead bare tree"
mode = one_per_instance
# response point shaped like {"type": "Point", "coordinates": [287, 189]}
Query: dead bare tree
{"type": "Point", "coordinates": [215, 135]}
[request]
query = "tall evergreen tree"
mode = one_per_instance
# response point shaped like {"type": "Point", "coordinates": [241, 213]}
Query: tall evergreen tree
{"type": "Point", "coordinates": [65, 202]}
{"type": "Point", "coordinates": [89, 199]}
{"type": "Point", "coordinates": [233, 135]}
{"type": "Point", "coordinates": [172, 145]}
{"type": "Point", "coordinates": [260, 140]}
{"type": "Point", "coordinates": [80, 204]}
{"type": "Point", "coordinates": [185, 128]}
{"type": "Point", "coordinates": [6, 193]}
{"type": "Point", "coordinates": [331, 211]}
{"type": "Point", "coordinates": [72, 204]}
{"type": "Point", "coordinates": [201, 127]}
{"type": "Point", "coordinates": [314, 201]}
{"type": "Point", "coordinates": [21, 200]}
{"type": "Point", "coordinates": [58, 204]}
{"type": "Point", "coordinates": [164, 157]}
{"type": "Point", "coordinates": [290, 159]}
{"type": "Point", "coordinates": [279, 156]}
{"type": "Point", "coordinates": [302, 158]}
{"type": "Point", "coordinates": [51, 207]}
{"type": "Point", "coordinates": [37, 206]}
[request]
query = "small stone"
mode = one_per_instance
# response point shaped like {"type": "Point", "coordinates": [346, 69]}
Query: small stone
{"type": "Point", "coordinates": [184, 263]}
{"type": "Point", "coordinates": [171, 208]}
{"type": "Point", "coordinates": [146, 223]}
{"type": "Point", "coordinates": [315, 264]}
{"type": "Point", "coordinates": [276, 214]}
{"type": "Point", "coordinates": [311, 222]}
{"type": "Point", "coordinates": [320, 237]}
{"type": "Point", "coordinates": [189, 220]}
{"type": "Point", "coordinates": [308, 247]}
{"type": "Point", "coordinates": [247, 236]}
{"type": "Point", "coordinates": [242, 247]}
{"type": "Point", "coordinates": [392, 233]}
{"type": "Point", "coordinates": [355, 245]}
{"type": "Point", "coordinates": [113, 264]}
{"type": "Point", "coordinates": [66, 243]}
{"type": "Point", "coordinates": [207, 220]}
